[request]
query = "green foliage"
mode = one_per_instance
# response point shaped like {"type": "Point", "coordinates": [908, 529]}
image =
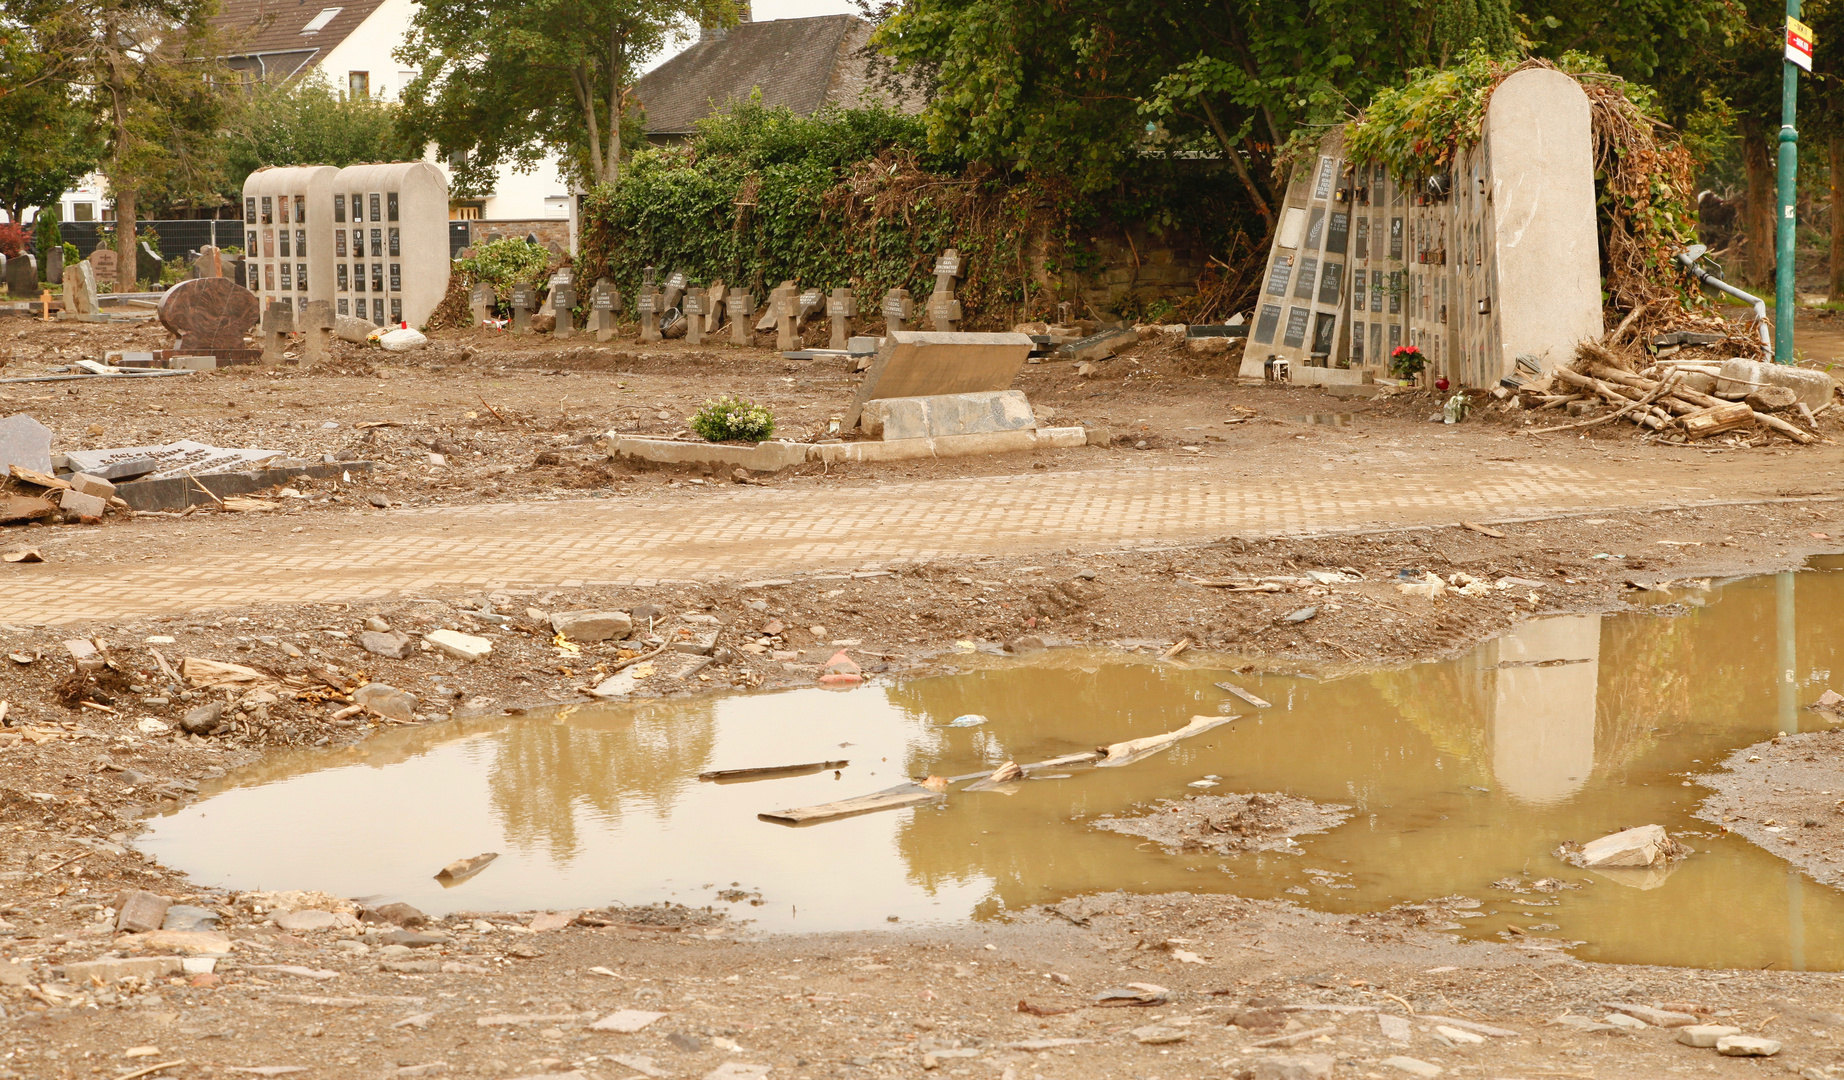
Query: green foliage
{"type": "Point", "coordinates": [71, 255]}
{"type": "Point", "coordinates": [1417, 128]}
{"type": "Point", "coordinates": [51, 143]}
{"type": "Point", "coordinates": [505, 262]}
{"type": "Point", "coordinates": [310, 122]}
{"type": "Point", "coordinates": [511, 80]}
{"type": "Point", "coordinates": [47, 233]}
{"type": "Point", "coordinates": [853, 197]}
{"type": "Point", "coordinates": [730, 419]}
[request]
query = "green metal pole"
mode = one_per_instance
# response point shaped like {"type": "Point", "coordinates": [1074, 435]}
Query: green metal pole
{"type": "Point", "coordinates": [1786, 301]}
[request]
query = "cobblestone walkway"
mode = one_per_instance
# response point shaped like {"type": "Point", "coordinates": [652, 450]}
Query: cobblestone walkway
{"type": "Point", "coordinates": [745, 533]}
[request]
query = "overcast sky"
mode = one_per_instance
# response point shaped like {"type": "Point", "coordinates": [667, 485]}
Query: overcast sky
{"type": "Point", "coordinates": [773, 9]}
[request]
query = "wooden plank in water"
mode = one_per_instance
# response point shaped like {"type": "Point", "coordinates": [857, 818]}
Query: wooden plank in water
{"type": "Point", "coordinates": [888, 799]}
{"type": "Point", "coordinates": [1245, 695]}
{"type": "Point", "coordinates": [1125, 753]}
{"type": "Point", "coordinates": [721, 776]}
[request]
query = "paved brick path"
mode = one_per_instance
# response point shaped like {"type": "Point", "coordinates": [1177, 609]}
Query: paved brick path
{"type": "Point", "coordinates": [748, 533]}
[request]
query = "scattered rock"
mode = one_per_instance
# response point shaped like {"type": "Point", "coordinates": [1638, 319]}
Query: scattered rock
{"type": "Point", "coordinates": [1705, 1035]}
{"type": "Point", "coordinates": [1292, 1067]}
{"type": "Point", "coordinates": [552, 920]}
{"type": "Point", "coordinates": [385, 643]}
{"type": "Point", "coordinates": [1453, 1034]}
{"type": "Point", "coordinates": [187, 917]}
{"type": "Point", "coordinates": [592, 625]}
{"type": "Point", "coordinates": [1412, 1066]}
{"type": "Point", "coordinates": [386, 701]}
{"type": "Point", "coordinates": [1656, 1017]}
{"type": "Point", "coordinates": [301, 921]}
{"type": "Point", "coordinates": [203, 720]}
{"type": "Point", "coordinates": [462, 869]}
{"type": "Point", "coordinates": [1646, 845]}
{"type": "Point", "coordinates": [1158, 1035]}
{"type": "Point", "coordinates": [141, 912]}
{"type": "Point", "coordinates": [626, 1021]}
{"type": "Point", "coordinates": [1228, 824]}
{"type": "Point", "coordinates": [1746, 1046]}
{"type": "Point", "coordinates": [458, 645]}
{"type": "Point", "coordinates": [396, 914]}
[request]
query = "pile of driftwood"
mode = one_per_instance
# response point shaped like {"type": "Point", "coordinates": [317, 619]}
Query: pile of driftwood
{"type": "Point", "coordinates": [1663, 399]}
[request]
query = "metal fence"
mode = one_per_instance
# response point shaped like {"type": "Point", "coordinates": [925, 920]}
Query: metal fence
{"type": "Point", "coordinates": [176, 237]}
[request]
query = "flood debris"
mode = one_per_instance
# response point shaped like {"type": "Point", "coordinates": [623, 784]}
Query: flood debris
{"type": "Point", "coordinates": [462, 869]}
{"type": "Point", "coordinates": [1230, 824]}
{"type": "Point", "coordinates": [888, 799]}
{"type": "Point", "coordinates": [1644, 846]}
{"type": "Point", "coordinates": [1133, 995]}
{"type": "Point", "coordinates": [1132, 750]}
{"type": "Point", "coordinates": [722, 776]}
{"type": "Point", "coordinates": [1244, 695]}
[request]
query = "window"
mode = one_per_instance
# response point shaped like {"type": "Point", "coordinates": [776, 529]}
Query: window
{"type": "Point", "coordinates": [320, 21]}
{"type": "Point", "coordinates": [464, 213]}
{"type": "Point", "coordinates": [358, 84]}
{"type": "Point", "coordinates": [83, 211]}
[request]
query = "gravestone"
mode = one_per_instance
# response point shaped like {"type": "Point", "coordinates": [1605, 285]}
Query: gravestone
{"type": "Point", "coordinates": [812, 302]}
{"type": "Point", "coordinates": [80, 290]}
{"type": "Point", "coordinates": [649, 307]}
{"type": "Point", "coordinates": [926, 364]}
{"type": "Point", "coordinates": [898, 309]}
{"type": "Point", "coordinates": [563, 303]}
{"type": "Point", "coordinates": [24, 442]}
{"type": "Point", "coordinates": [767, 322]}
{"type": "Point", "coordinates": [154, 261]}
{"type": "Point", "coordinates": [714, 307]}
{"type": "Point", "coordinates": [54, 264]}
{"type": "Point", "coordinates": [210, 263]}
{"type": "Point", "coordinates": [841, 306]}
{"type": "Point", "coordinates": [316, 325]}
{"type": "Point", "coordinates": [278, 323]}
{"type": "Point", "coordinates": [742, 306]}
{"type": "Point", "coordinates": [694, 316]}
{"type": "Point", "coordinates": [943, 308]}
{"type": "Point", "coordinates": [22, 276]}
{"type": "Point", "coordinates": [207, 315]}
{"type": "Point", "coordinates": [524, 302]}
{"type": "Point", "coordinates": [672, 291]}
{"type": "Point", "coordinates": [605, 302]}
{"type": "Point", "coordinates": [103, 264]}
{"type": "Point", "coordinates": [482, 302]}
{"type": "Point", "coordinates": [786, 304]}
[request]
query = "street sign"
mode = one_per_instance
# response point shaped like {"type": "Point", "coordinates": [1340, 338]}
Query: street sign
{"type": "Point", "coordinates": [1799, 42]}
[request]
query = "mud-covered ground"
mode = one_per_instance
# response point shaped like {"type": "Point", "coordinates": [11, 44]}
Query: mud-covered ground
{"type": "Point", "coordinates": [1229, 824]}
{"type": "Point", "coordinates": [1787, 795]}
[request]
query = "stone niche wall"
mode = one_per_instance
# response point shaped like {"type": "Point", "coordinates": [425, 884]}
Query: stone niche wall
{"type": "Point", "coordinates": [1138, 269]}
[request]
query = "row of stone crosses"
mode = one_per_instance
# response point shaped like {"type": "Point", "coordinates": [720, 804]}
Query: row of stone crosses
{"type": "Point", "coordinates": [705, 310]}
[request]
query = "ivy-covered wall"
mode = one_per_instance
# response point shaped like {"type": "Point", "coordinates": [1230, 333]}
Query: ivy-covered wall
{"type": "Point", "coordinates": [853, 197]}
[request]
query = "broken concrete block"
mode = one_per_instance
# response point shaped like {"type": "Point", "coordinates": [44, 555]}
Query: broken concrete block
{"type": "Point", "coordinates": [72, 501]}
{"type": "Point", "coordinates": [1642, 846]}
{"type": "Point", "coordinates": [1098, 346]}
{"type": "Point", "coordinates": [1208, 346]}
{"type": "Point", "coordinates": [1705, 1035]}
{"type": "Point", "coordinates": [1656, 1017]}
{"type": "Point", "coordinates": [91, 485]}
{"type": "Point", "coordinates": [1738, 378]}
{"type": "Point", "coordinates": [24, 442]}
{"type": "Point", "coordinates": [458, 645]}
{"type": "Point", "coordinates": [147, 968]}
{"type": "Point", "coordinates": [84, 653]}
{"type": "Point", "coordinates": [357, 331]}
{"type": "Point", "coordinates": [140, 912]}
{"type": "Point", "coordinates": [386, 701]}
{"type": "Point", "coordinates": [301, 921]}
{"type": "Point", "coordinates": [1746, 1046]}
{"type": "Point", "coordinates": [391, 645]}
{"type": "Point", "coordinates": [1292, 1067]}
{"type": "Point", "coordinates": [1413, 1066]}
{"type": "Point", "coordinates": [699, 644]}
{"type": "Point", "coordinates": [591, 625]}
{"type": "Point", "coordinates": [184, 942]}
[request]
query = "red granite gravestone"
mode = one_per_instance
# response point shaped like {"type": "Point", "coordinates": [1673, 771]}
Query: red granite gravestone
{"type": "Point", "coordinates": [209, 314]}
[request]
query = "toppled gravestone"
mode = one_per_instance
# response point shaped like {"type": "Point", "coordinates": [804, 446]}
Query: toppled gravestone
{"type": "Point", "coordinates": [24, 442]}
{"type": "Point", "coordinates": [208, 314]}
{"type": "Point", "coordinates": [1647, 845]}
{"type": "Point", "coordinates": [1739, 377]}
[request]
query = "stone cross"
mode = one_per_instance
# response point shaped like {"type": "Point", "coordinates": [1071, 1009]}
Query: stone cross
{"type": "Point", "coordinates": [714, 307]}
{"type": "Point", "coordinates": [563, 302]}
{"type": "Point", "coordinates": [482, 301]}
{"type": "Point", "coordinates": [649, 307]}
{"type": "Point", "coordinates": [841, 306]}
{"type": "Point", "coordinates": [316, 324]}
{"type": "Point", "coordinates": [22, 276]}
{"type": "Point", "coordinates": [605, 302]}
{"type": "Point", "coordinates": [694, 316]}
{"type": "Point", "coordinates": [767, 321]}
{"type": "Point", "coordinates": [103, 264]}
{"type": "Point", "coordinates": [278, 323]}
{"type": "Point", "coordinates": [54, 264]}
{"type": "Point", "coordinates": [673, 289]}
{"type": "Point", "coordinates": [898, 308]}
{"type": "Point", "coordinates": [786, 305]}
{"type": "Point", "coordinates": [208, 264]}
{"type": "Point", "coordinates": [207, 315]}
{"type": "Point", "coordinates": [524, 302]}
{"type": "Point", "coordinates": [943, 309]}
{"type": "Point", "coordinates": [742, 305]}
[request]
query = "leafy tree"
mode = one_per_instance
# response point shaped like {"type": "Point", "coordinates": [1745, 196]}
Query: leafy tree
{"type": "Point", "coordinates": [144, 66]}
{"type": "Point", "coordinates": [510, 80]}
{"type": "Point", "coordinates": [51, 144]}
{"type": "Point", "coordinates": [309, 122]}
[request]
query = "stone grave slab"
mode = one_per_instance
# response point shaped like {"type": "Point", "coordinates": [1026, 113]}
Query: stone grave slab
{"type": "Point", "coordinates": [948, 414]}
{"type": "Point", "coordinates": [54, 264]}
{"type": "Point", "coordinates": [742, 307]}
{"type": "Point", "coordinates": [22, 276]}
{"type": "Point", "coordinates": [316, 324]}
{"type": "Point", "coordinates": [482, 301]}
{"type": "Point", "coordinates": [563, 304]}
{"type": "Point", "coordinates": [104, 263]}
{"type": "Point", "coordinates": [915, 363]}
{"type": "Point", "coordinates": [524, 302]}
{"type": "Point", "coordinates": [174, 459]}
{"type": "Point", "coordinates": [80, 290]}
{"type": "Point", "coordinates": [210, 263]}
{"type": "Point", "coordinates": [208, 313]}
{"type": "Point", "coordinates": [24, 442]}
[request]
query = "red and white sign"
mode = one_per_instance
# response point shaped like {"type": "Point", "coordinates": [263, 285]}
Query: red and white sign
{"type": "Point", "coordinates": [1799, 42]}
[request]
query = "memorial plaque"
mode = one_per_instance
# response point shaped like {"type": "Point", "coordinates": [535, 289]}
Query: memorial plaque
{"type": "Point", "coordinates": [1266, 323]}
{"type": "Point", "coordinates": [54, 264]}
{"type": "Point", "coordinates": [1376, 343]}
{"type": "Point", "coordinates": [1395, 292]}
{"type": "Point", "coordinates": [103, 262]}
{"type": "Point", "coordinates": [840, 307]}
{"type": "Point", "coordinates": [1322, 186]}
{"type": "Point", "coordinates": [316, 324]}
{"type": "Point", "coordinates": [604, 301]}
{"type": "Point", "coordinates": [1362, 249]}
{"type": "Point", "coordinates": [563, 305]}
{"type": "Point", "coordinates": [693, 309]}
{"type": "Point", "coordinates": [481, 301]}
{"type": "Point", "coordinates": [897, 308]}
{"type": "Point", "coordinates": [208, 314]}
{"type": "Point", "coordinates": [948, 264]}
{"type": "Point", "coordinates": [1278, 274]}
{"type": "Point", "coordinates": [1307, 278]}
{"type": "Point", "coordinates": [1324, 326]}
{"type": "Point", "coordinates": [649, 302]}
{"type": "Point", "coordinates": [1315, 230]}
{"type": "Point", "coordinates": [1359, 293]}
{"type": "Point", "coordinates": [1395, 238]}
{"type": "Point", "coordinates": [1297, 320]}
{"type": "Point", "coordinates": [1331, 281]}
{"type": "Point", "coordinates": [1337, 232]}
{"type": "Point", "coordinates": [649, 307]}
{"type": "Point", "coordinates": [524, 302]}
{"type": "Point", "coordinates": [1357, 343]}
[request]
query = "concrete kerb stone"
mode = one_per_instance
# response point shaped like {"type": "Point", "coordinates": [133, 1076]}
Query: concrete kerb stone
{"type": "Point", "coordinates": [770, 456]}
{"type": "Point", "coordinates": [774, 456]}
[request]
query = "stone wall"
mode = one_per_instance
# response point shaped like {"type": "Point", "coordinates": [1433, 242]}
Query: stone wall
{"type": "Point", "coordinates": [1137, 270]}
{"type": "Point", "coordinates": [548, 230]}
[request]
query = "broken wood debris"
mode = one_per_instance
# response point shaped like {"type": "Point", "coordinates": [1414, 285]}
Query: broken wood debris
{"type": "Point", "coordinates": [1245, 695]}
{"type": "Point", "coordinates": [888, 799]}
{"type": "Point", "coordinates": [722, 776]}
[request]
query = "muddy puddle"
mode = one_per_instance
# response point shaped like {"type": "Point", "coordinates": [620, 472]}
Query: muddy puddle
{"type": "Point", "coordinates": [1461, 774]}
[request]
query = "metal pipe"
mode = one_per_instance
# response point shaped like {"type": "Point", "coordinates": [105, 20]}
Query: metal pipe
{"type": "Point", "coordinates": [1688, 259]}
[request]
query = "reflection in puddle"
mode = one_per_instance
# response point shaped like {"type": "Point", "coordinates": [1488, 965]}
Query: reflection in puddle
{"type": "Point", "coordinates": [1463, 772]}
{"type": "Point", "coordinates": [1328, 419]}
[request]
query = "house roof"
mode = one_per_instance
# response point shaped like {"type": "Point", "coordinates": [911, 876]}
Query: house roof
{"type": "Point", "coordinates": [799, 64]}
{"type": "Point", "coordinates": [263, 27]}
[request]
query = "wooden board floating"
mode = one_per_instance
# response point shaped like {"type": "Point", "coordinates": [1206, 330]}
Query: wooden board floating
{"type": "Point", "coordinates": [888, 799]}
{"type": "Point", "coordinates": [1245, 695]}
{"type": "Point", "coordinates": [721, 776]}
{"type": "Point", "coordinates": [1125, 753]}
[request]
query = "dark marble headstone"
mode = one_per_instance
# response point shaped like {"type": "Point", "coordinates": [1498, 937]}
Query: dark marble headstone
{"type": "Point", "coordinates": [209, 313]}
{"type": "Point", "coordinates": [54, 264]}
{"type": "Point", "coordinates": [22, 276]}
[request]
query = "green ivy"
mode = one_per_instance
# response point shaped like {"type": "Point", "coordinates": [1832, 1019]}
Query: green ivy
{"type": "Point", "coordinates": [504, 262]}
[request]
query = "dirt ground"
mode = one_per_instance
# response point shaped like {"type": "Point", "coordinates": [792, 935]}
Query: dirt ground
{"type": "Point", "coordinates": [1786, 795]}
{"type": "Point", "coordinates": [85, 755]}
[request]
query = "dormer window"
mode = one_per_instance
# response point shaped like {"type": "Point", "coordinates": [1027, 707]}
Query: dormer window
{"type": "Point", "coordinates": [319, 22]}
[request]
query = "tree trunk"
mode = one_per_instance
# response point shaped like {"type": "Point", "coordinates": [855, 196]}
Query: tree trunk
{"type": "Point", "coordinates": [1837, 219]}
{"type": "Point", "coordinates": [126, 279]}
{"type": "Point", "coordinates": [1758, 213]}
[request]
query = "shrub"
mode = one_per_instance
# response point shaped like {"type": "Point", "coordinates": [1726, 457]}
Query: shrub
{"type": "Point", "coordinates": [505, 262]}
{"type": "Point", "coordinates": [13, 238]}
{"type": "Point", "coordinates": [732, 418]}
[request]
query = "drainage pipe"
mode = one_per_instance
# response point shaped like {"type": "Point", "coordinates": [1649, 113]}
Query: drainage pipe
{"type": "Point", "coordinates": [1688, 259]}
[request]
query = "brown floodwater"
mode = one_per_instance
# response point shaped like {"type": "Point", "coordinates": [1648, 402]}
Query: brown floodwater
{"type": "Point", "coordinates": [1461, 773]}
